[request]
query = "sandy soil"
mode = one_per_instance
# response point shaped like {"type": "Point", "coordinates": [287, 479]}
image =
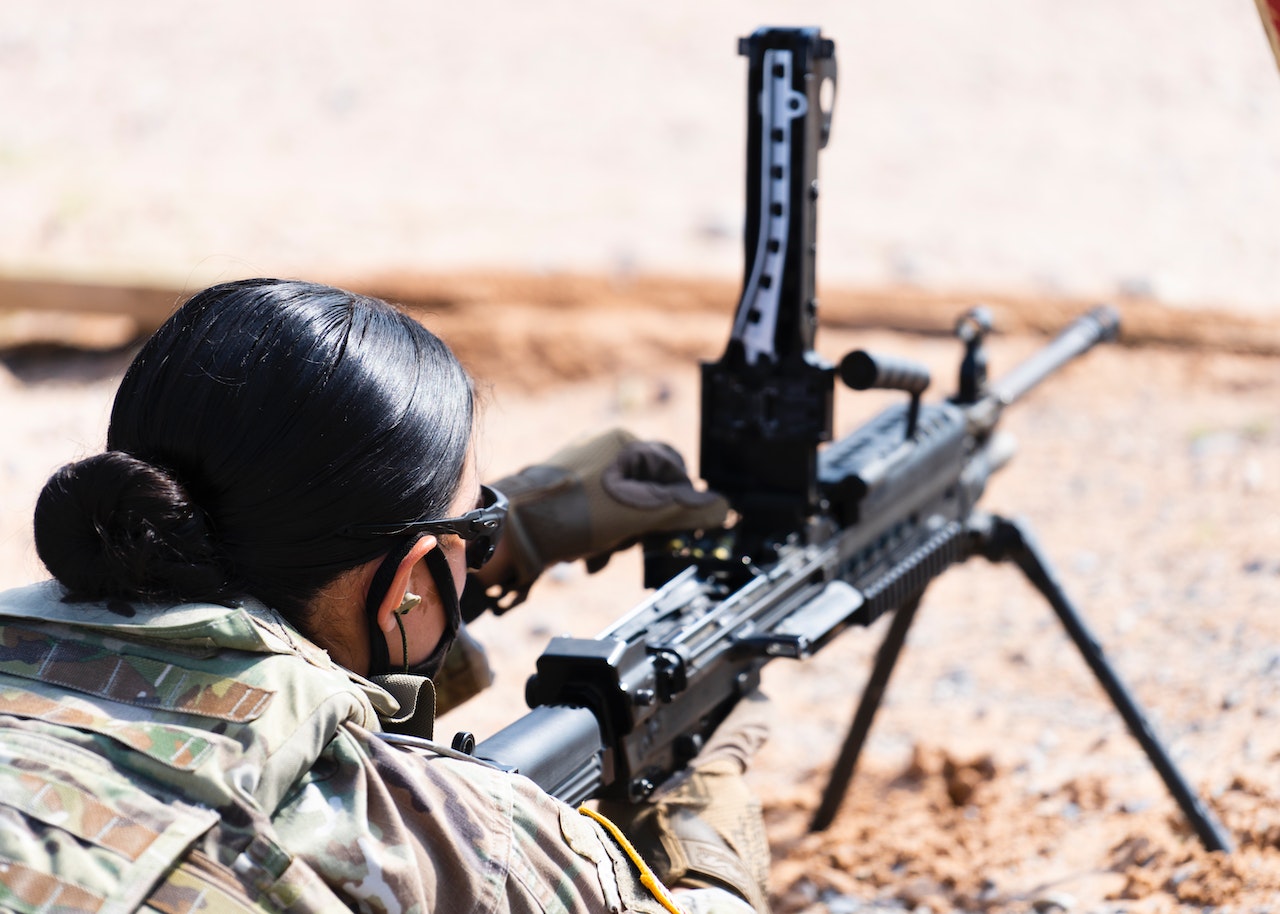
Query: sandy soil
{"type": "Point", "coordinates": [1066, 151]}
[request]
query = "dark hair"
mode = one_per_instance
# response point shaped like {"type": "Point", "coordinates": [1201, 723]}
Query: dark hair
{"type": "Point", "coordinates": [261, 419]}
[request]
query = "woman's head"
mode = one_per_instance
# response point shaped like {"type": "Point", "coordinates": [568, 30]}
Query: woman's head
{"type": "Point", "coordinates": [261, 420]}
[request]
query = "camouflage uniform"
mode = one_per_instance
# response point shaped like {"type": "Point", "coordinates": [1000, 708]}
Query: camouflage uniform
{"type": "Point", "coordinates": [204, 757]}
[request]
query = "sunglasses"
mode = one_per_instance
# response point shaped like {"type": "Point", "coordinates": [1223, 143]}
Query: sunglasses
{"type": "Point", "coordinates": [480, 528]}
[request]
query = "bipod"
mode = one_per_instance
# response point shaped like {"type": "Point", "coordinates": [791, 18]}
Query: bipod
{"type": "Point", "coordinates": [1001, 540]}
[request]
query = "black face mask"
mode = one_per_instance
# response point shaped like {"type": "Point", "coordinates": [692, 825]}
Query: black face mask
{"type": "Point", "coordinates": [442, 576]}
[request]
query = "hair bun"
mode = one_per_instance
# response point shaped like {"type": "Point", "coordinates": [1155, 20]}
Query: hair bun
{"type": "Point", "coordinates": [116, 526]}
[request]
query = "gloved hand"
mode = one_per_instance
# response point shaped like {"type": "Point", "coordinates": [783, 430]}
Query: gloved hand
{"type": "Point", "coordinates": [593, 498]}
{"type": "Point", "coordinates": [704, 827]}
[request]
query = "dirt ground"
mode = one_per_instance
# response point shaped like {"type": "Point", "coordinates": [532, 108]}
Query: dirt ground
{"type": "Point", "coordinates": [998, 777]}
{"type": "Point", "coordinates": [1061, 153]}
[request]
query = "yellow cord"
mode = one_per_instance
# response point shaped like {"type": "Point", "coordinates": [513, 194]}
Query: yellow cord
{"type": "Point", "coordinates": [647, 879]}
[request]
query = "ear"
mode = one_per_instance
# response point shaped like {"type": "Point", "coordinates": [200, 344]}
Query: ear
{"type": "Point", "coordinates": [400, 583]}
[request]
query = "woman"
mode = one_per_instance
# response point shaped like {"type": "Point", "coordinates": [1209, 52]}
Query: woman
{"type": "Point", "coordinates": [284, 517]}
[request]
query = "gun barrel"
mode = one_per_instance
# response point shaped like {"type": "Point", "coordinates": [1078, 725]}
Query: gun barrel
{"type": "Point", "coordinates": [1098, 326]}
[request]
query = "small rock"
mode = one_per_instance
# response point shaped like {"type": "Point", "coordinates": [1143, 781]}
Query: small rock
{"type": "Point", "coordinates": [1215, 444]}
{"type": "Point", "coordinates": [717, 228]}
{"type": "Point", "coordinates": [806, 890]}
{"type": "Point", "coordinates": [1052, 902]}
{"type": "Point", "coordinates": [923, 895]}
{"type": "Point", "coordinates": [1085, 563]}
{"type": "Point", "coordinates": [843, 904]}
{"type": "Point", "coordinates": [1251, 475]}
{"type": "Point", "coordinates": [905, 266]}
{"type": "Point", "coordinates": [562, 573]}
{"type": "Point", "coordinates": [1136, 287]}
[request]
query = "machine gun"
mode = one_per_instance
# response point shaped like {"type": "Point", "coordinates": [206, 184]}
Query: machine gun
{"type": "Point", "coordinates": [829, 535]}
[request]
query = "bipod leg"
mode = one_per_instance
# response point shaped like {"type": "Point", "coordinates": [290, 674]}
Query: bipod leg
{"type": "Point", "coordinates": [1013, 541]}
{"type": "Point", "coordinates": [842, 771]}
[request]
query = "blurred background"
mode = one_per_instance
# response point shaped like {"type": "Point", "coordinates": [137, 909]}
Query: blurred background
{"type": "Point", "coordinates": [558, 188]}
{"type": "Point", "coordinates": [1088, 149]}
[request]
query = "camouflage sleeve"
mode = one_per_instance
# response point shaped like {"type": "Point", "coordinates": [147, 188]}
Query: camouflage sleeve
{"type": "Point", "coordinates": [396, 830]}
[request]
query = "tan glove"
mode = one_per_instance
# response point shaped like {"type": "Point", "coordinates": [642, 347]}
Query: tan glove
{"type": "Point", "coordinates": [704, 827]}
{"type": "Point", "coordinates": [593, 498]}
